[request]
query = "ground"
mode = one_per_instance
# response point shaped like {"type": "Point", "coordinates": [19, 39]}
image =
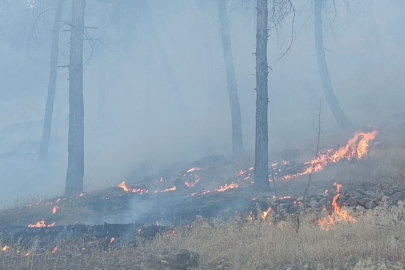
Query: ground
{"type": "Point", "coordinates": [227, 237]}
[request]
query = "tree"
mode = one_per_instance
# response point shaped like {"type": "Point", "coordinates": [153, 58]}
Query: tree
{"type": "Point", "coordinates": [337, 111]}
{"type": "Point", "coordinates": [237, 139]}
{"type": "Point", "coordinates": [75, 171]}
{"type": "Point", "coordinates": [46, 133]}
{"type": "Point", "coordinates": [262, 100]}
{"type": "Point", "coordinates": [101, 74]}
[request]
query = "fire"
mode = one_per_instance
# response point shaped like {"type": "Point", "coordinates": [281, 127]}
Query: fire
{"type": "Point", "coordinates": [169, 189]}
{"type": "Point", "coordinates": [194, 169]}
{"type": "Point", "coordinates": [112, 240]}
{"type": "Point", "coordinates": [338, 215]}
{"type": "Point", "coordinates": [27, 254]}
{"type": "Point", "coordinates": [227, 187]}
{"type": "Point", "coordinates": [81, 195]}
{"type": "Point", "coordinates": [265, 214]}
{"type": "Point", "coordinates": [201, 193]}
{"type": "Point", "coordinates": [190, 185]}
{"type": "Point", "coordinates": [251, 169]}
{"type": "Point", "coordinates": [55, 209]}
{"type": "Point", "coordinates": [55, 249]}
{"type": "Point", "coordinates": [5, 248]}
{"type": "Point", "coordinates": [241, 173]}
{"type": "Point", "coordinates": [41, 224]}
{"type": "Point", "coordinates": [356, 148]}
{"type": "Point", "coordinates": [126, 188]}
{"type": "Point", "coordinates": [57, 201]}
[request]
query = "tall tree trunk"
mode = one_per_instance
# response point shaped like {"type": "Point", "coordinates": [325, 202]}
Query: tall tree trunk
{"type": "Point", "coordinates": [262, 137]}
{"type": "Point", "coordinates": [324, 72]}
{"type": "Point", "coordinates": [75, 171]}
{"type": "Point", "coordinates": [237, 140]}
{"type": "Point", "coordinates": [46, 133]}
{"type": "Point", "coordinates": [101, 72]}
{"type": "Point", "coordinates": [167, 68]}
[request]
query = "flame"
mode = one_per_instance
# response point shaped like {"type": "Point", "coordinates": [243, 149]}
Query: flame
{"type": "Point", "coordinates": [169, 189]}
{"type": "Point", "coordinates": [57, 201]}
{"type": "Point", "coordinates": [250, 216]}
{"type": "Point", "coordinates": [338, 215]}
{"type": "Point", "coordinates": [55, 249]}
{"type": "Point", "coordinates": [326, 191]}
{"type": "Point", "coordinates": [161, 179]}
{"type": "Point", "coordinates": [5, 248]}
{"type": "Point", "coordinates": [27, 254]}
{"type": "Point", "coordinates": [126, 188]}
{"type": "Point", "coordinates": [201, 193]}
{"type": "Point", "coordinates": [55, 209]}
{"type": "Point", "coordinates": [241, 173]}
{"type": "Point", "coordinates": [251, 169]}
{"type": "Point", "coordinates": [356, 148]}
{"type": "Point", "coordinates": [81, 195]}
{"type": "Point", "coordinates": [190, 185]}
{"type": "Point", "coordinates": [265, 214]}
{"type": "Point", "coordinates": [194, 169]}
{"type": "Point", "coordinates": [112, 240]}
{"type": "Point", "coordinates": [227, 187]}
{"type": "Point", "coordinates": [157, 223]}
{"type": "Point", "coordinates": [247, 178]}
{"type": "Point", "coordinates": [41, 224]}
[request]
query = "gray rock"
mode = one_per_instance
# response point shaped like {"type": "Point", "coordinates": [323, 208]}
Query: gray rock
{"type": "Point", "coordinates": [323, 201]}
{"type": "Point", "coordinates": [182, 260]}
{"type": "Point", "coordinates": [399, 196]}
{"type": "Point", "coordinates": [364, 201]}
{"type": "Point", "coordinates": [352, 202]}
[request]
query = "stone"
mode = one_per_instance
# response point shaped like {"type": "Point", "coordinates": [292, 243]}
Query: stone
{"type": "Point", "coordinates": [352, 202]}
{"type": "Point", "coordinates": [182, 260]}
{"type": "Point", "coordinates": [364, 201]}
{"type": "Point", "coordinates": [398, 196]}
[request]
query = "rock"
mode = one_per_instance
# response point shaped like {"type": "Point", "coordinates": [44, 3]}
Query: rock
{"type": "Point", "coordinates": [314, 204]}
{"type": "Point", "coordinates": [323, 201]}
{"type": "Point", "coordinates": [370, 205]}
{"type": "Point", "coordinates": [364, 201]}
{"type": "Point", "coordinates": [352, 202]}
{"type": "Point", "coordinates": [182, 260]}
{"type": "Point", "coordinates": [398, 196]}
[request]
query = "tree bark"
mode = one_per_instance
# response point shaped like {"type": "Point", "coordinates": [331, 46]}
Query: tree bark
{"type": "Point", "coordinates": [101, 72]}
{"type": "Point", "coordinates": [262, 100]}
{"type": "Point", "coordinates": [237, 139]}
{"type": "Point", "coordinates": [337, 111]}
{"type": "Point", "coordinates": [75, 171]}
{"type": "Point", "coordinates": [46, 133]}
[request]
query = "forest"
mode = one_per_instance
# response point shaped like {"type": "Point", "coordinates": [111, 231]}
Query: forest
{"type": "Point", "coordinates": [202, 134]}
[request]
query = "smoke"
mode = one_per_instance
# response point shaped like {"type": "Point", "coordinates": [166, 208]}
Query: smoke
{"type": "Point", "coordinates": [149, 125]}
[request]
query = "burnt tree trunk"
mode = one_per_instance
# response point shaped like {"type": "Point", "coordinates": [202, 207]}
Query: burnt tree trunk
{"type": "Point", "coordinates": [101, 72]}
{"type": "Point", "coordinates": [75, 171]}
{"type": "Point", "coordinates": [324, 72]}
{"type": "Point", "coordinates": [237, 140]}
{"type": "Point", "coordinates": [46, 133]}
{"type": "Point", "coordinates": [262, 100]}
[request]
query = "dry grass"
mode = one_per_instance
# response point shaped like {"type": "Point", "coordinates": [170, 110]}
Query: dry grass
{"type": "Point", "coordinates": [376, 241]}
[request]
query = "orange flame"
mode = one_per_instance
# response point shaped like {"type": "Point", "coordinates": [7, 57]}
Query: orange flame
{"type": "Point", "coordinates": [5, 248]}
{"type": "Point", "coordinates": [241, 173]}
{"type": "Point", "coordinates": [356, 148]}
{"type": "Point", "coordinates": [194, 169]}
{"type": "Point", "coordinates": [201, 193]}
{"type": "Point", "coordinates": [41, 224]}
{"type": "Point", "coordinates": [55, 209]}
{"type": "Point", "coordinates": [81, 195]}
{"type": "Point", "coordinates": [227, 187]}
{"type": "Point", "coordinates": [126, 188]}
{"type": "Point", "coordinates": [55, 249]}
{"type": "Point", "coordinates": [57, 201]}
{"type": "Point", "coordinates": [169, 189]}
{"type": "Point", "coordinates": [338, 215]}
{"type": "Point", "coordinates": [190, 185]}
{"type": "Point", "coordinates": [265, 214]}
{"type": "Point", "coordinates": [27, 254]}
{"type": "Point", "coordinates": [112, 240]}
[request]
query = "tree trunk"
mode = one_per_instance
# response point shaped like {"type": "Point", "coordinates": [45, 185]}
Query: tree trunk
{"type": "Point", "coordinates": [262, 100]}
{"type": "Point", "coordinates": [46, 133]}
{"type": "Point", "coordinates": [237, 140]}
{"type": "Point", "coordinates": [324, 72]}
{"type": "Point", "coordinates": [167, 68]}
{"type": "Point", "coordinates": [101, 72]}
{"type": "Point", "coordinates": [75, 172]}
